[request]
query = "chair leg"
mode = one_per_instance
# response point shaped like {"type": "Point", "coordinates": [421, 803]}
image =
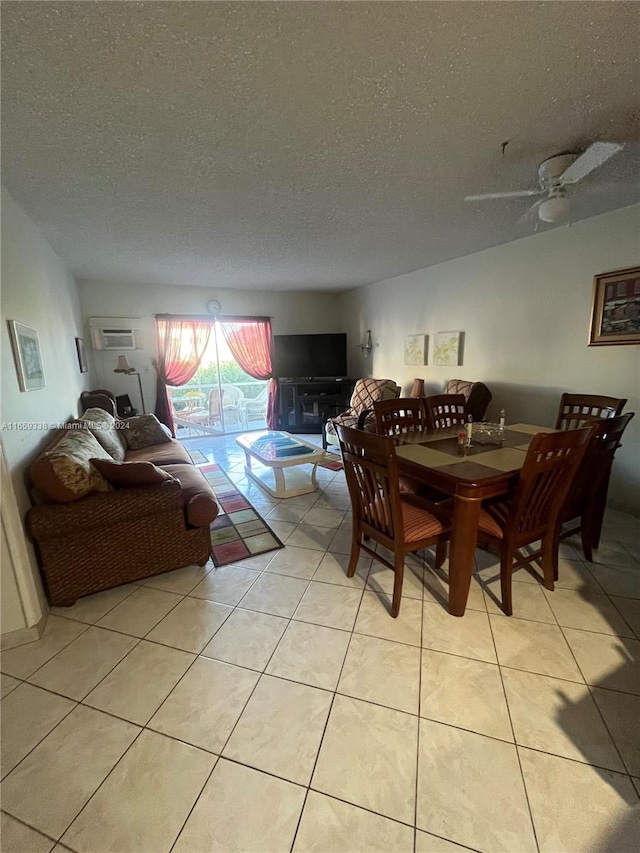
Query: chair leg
{"type": "Point", "coordinates": [588, 542]}
{"type": "Point", "coordinates": [355, 552]}
{"type": "Point", "coordinates": [549, 559]}
{"type": "Point", "coordinates": [506, 567]}
{"type": "Point", "coordinates": [441, 553]}
{"type": "Point", "coordinates": [397, 584]}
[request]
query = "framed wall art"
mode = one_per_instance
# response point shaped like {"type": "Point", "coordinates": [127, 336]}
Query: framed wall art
{"type": "Point", "coordinates": [615, 312]}
{"type": "Point", "coordinates": [82, 355]}
{"type": "Point", "coordinates": [416, 348]}
{"type": "Point", "coordinates": [26, 352]}
{"type": "Point", "coordinates": [447, 350]}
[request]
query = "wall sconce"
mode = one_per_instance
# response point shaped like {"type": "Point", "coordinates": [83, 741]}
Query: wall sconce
{"type": "Point", "coordinates": [367, 346]}
{"type": "Point", "coordinates": [125, 367]}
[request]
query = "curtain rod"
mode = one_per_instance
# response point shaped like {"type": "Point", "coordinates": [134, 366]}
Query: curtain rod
{"type": "Point", "coordinates": [229, 318]}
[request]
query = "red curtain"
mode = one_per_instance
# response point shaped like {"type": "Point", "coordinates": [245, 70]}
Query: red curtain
{"type": "Point", "coordinates": [251, 342]}
{"type": "Point", "coordinates": [181, 346]}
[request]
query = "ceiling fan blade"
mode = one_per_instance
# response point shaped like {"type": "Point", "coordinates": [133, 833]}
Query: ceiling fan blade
{"type": "Point", "coordinates": [516, 194]}
{"type": "Point", "coordinates": [531, 215]}
{"type": "Point", "coordinates": [594, 156]}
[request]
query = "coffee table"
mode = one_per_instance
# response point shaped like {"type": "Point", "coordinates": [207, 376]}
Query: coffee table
{"type": "Point", "coordinates": [280, 452]}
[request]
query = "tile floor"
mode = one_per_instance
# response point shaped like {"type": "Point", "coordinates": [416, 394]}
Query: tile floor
{"type": "Point", "coordinates": [274, 705]}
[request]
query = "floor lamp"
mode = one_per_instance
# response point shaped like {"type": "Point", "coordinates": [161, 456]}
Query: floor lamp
{"type": "Point", "coordinates": [125, 367]}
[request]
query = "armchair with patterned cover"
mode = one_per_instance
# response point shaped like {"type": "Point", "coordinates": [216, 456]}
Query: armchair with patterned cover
{"type": "Point", "coordinates": [476, 395]}
{"type": "Point", "coordinates": [360, 413]}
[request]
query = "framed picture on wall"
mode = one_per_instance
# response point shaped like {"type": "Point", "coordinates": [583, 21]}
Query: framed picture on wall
{"type": "Point", "coordinates": [26, 353]}
{"type": "Point", "coordinates": [615, 312]}
{"type": "Point", "coordinates": [447, 349]}
{"type": "Point", "coordinates": [416, 348]}
{"type": "Point", "coordinates": [82, 355]}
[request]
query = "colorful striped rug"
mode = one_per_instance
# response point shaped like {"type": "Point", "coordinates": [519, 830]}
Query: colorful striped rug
{"type": "Point", "coordinates": [239, 531]}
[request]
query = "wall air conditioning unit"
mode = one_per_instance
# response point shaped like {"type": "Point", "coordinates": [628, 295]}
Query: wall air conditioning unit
{"type": "Point", "coordinates": [114, 333]}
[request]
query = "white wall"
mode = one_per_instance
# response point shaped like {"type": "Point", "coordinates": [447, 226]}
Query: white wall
{"type": "Point", "coordinates": [37, 290]}
{"type": "Point", "coordinates": [291, 313]}
{"type": "Point", "coordinates": [525, 309]}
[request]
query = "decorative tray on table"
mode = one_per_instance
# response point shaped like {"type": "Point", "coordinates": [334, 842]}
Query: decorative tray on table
{"type": "Point", "coordinates": [487, 433]}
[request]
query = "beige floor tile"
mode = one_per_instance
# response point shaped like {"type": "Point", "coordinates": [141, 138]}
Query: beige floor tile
{"type": "Point", "coordinates": [247, 638]}
{"type": "Point", "coordinates": [575, 574]}
{"type": "Point", "coordinates": [242, 810]}
{"type": "Point", "coordinates": [578, 807]}
{"type": "Point", "coordinates": [341, 542]}
{"type": "Point", "coordinates": [468, 635]}
{"type": "Point", "coordinates": [286, 512]}
{"type": "Point", "coordinates": [607, 661]}
{"type": "Point", "coordinates": [559, 717]}
{"type": "Point", "coordinates": [368, 758]}
{"type": "Point", "coordinates": [587, 611]}
{"type": "Point", "coordinates": [334, 498]}
{"type": "Point", "coordinates": [310, 654]}
{"type": "Point", "coordinates": [191, 624]}
{"type": "Point", "coordinates": [470, 790]}
{"type": "Point", "coordinates": [324, 516]}
{"type": "Point", "coordinates": [311, 536]}
{"type": "Point", "coordinates": [529, 602]}
{"type": "Point", "coordinates": [375, 620]}
{"type": "Point", "coordinates": [614, 556]}
{"type": "Point", "coordinates": [534, 647]}
{"type": "Point", "coordinates": [283, 530]}
{"type": "Point", "coordinates": [436, 589]}
{"type": "Point", "coordinates": [622, 582]}
{"type": "Point", "coordinates": [381, 579]}
{"type": "Point", "coordinates": [464, 692]}
{"type": "Point", "coordinates": [630, 609]}
{"type": "Point", "coordinates": [205, 705]}
{"type": "Point", "coordinates": [90, 608]}
{"type": "Point", "coordinates": [83, 663]}
{"type": "Point", "coordinates": [226, 585]}
{"type": "Point", "coordinates": [28, 715]}
{"type": "Point", "coordinates": [68, 765]}
{"type": "Point", "coordinates": [141, 682]}
{"type": "Point", "coordinates": [428, 843]}
{"type": "Point", "coordinates": [295, 562]}
{"type": "Point", "coordinates": [140, 612]}
{"type": "Point", "coordinates": [180, 581]}
{"type": "Point", "coordinates": [22, 661]}
{"type": "Point", "coordinates": [278, 595]}
{"type": "Point", "coordinates": [330, 826]}
{"type": "Point", "coordinates": [333, 569]}
{"type": "Point", "coordinates": [383, 672]}
{"type": "Point", "coordinates": [7, 684]}
{"type": "Point", "coordinates": [621, 712]}
{"type": "Point", "coordinates": [329, 605]}
{"type": "Point", "coordinates": [18, 838]}
{"type": "Point", "coordinates": [138, 809]}
{"type": "Point", "coordinates": [288, 746]}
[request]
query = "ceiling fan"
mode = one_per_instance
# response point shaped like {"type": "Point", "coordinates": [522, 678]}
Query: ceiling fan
{"type": "Point", "coordinates": [555, 175]}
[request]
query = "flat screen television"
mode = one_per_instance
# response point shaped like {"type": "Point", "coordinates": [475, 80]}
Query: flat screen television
{"type": "Point", "coordinates": [310, 356]}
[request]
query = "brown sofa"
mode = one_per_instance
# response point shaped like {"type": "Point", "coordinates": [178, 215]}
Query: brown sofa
{"type": "Point", "coordinates": [99, 521]}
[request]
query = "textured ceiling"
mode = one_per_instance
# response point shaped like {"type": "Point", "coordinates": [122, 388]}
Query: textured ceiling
{"type": "Point", "coordinates": [311, 145]}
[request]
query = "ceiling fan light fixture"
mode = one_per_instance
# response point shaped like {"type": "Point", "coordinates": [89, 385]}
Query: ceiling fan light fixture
{"type": "Point", "coordinates": [554, 209]}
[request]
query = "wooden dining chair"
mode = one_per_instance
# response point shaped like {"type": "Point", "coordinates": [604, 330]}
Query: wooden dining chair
{"type": "Point", "coordinates": [532, 514]}
{"type": "Point", "coordinates": [401, 523]}
{"type": "Point", "coordinates": [445, 410]}
{"type": "Point", "coordinates": [575, 409]}
{"type": "Point", "coordinates": [404, 414]}
{"type": "Point", "coordinates": [586, 500]}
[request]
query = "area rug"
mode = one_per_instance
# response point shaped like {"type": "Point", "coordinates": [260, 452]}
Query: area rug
{"type": "Point", "coordinates": [331, 463]}
{"type": "Point", "coordinates": [239, 531]}
{"type": "Point", "coordinates": [198, 457]}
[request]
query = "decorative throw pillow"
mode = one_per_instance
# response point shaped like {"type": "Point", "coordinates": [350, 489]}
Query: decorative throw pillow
{"type": "Point", "coordinates": [144, 431]}
{"type": "Point", "coordinates": [65, 473]}
{"type": "Point", "coordinates": [104, 428]}
{"type": "Point", "coordinates": [123, 475]}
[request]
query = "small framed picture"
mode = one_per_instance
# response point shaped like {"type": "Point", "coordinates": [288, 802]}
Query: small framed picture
{"type": "Point", "coordinates": [447, 349]}
{"type": "Point", "coordinates": [26, 353]}
{"type": "Point", "coordinates": [82, 355]}
{"type": "Point", "coordinates": [615, 312]}
{"type": "Point", "coordinates": [416, 348]}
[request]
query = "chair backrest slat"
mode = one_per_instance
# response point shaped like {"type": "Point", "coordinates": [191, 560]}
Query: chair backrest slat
{"type": "Point", "coordinates": [576, 409]}
{"type": "Point", "coordinates": [400, 415]}
{"type": "Point", "coordinates": [445, 410]}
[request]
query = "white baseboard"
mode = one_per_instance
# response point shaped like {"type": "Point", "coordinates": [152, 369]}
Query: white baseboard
{"type": "Point", "coordinates": [23, 635]}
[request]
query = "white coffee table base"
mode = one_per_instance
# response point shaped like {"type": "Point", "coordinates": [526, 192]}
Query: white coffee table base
{"type": "Point", "coordinates": [285, 477]}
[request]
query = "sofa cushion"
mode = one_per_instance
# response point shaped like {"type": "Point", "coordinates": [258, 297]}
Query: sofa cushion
{"type": "Point", "coordinates": [198, 498]}
{"type": "Point", "coordinates": [65, 473]}
{"type": "Point", "coordinates": [106, 430]}
{"type": "Point", "coordinates": [123, 475]}
{"type": "Point", "coordinates": [144, 431]}
{"type": "Point", "coordinates": [171, 453]}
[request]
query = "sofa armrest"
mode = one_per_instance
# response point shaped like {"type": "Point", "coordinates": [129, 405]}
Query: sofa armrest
{"type": "Point", "coordinates": [103, 510]}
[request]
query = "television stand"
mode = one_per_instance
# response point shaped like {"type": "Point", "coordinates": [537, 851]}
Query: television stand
{"type": "Point", "coordinates": [305, 403]}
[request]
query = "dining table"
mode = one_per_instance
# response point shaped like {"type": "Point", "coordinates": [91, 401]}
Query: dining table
{"type": "Point", "coordinates": [470, 472]}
